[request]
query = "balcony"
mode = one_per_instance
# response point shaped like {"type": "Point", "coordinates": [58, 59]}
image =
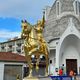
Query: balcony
{"type": "Point", "coordinates": [19, 41]}
{"type": "Point", "coordinates": [3, 46]}
{"type": "Point", "coordinates": [10, 49]}
{"type": "Point", "coordinates": [3, 50]}
{"type": "Point", "coordinates": [17, 48]}
{"type": "Point", "coordinates": [11, 44]}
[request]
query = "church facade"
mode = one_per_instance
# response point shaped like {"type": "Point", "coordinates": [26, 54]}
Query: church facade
{"type": "Point", "coordinates": [62, 34]}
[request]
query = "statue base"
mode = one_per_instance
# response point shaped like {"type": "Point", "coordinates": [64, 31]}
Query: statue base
{"type": "Point", "coordinates": [30, 78]}
{"type": "Point", "coordinates": [37, 78]}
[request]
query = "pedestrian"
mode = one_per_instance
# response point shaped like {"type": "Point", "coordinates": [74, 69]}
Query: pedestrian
{"type": "Point", "coordinates": [71, 73]}
{"type": "Point", "coordinates": [60, 72]}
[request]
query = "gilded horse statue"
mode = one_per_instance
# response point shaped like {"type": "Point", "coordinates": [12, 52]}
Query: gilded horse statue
{"type": "Point", "coordinates": [34, 42]}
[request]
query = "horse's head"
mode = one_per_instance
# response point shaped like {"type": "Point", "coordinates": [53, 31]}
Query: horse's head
{"type": "Point", "coordinates": [24, 24]}
{"type": "Point", "coordinates": [25, 29]}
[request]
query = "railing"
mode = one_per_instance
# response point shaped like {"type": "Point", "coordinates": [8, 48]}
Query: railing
{"type": "Point", "coordinates": [11, 44]}
{"type": "Point", "coordinates": [10, 49]}
{"type": "Point", "coordinates": [3, 50]}
{"type": "Point", "coordinates": [18, 48]}
{"type": "Point", "coordinates": [61, 77]}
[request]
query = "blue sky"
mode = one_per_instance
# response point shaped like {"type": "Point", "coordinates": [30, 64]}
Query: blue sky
{"type": "Point", "coordinates": [13, 11]}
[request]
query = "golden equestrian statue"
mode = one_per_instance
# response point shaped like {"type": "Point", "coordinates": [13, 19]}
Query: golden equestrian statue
{"type": "Point", "coordinates": [34, 43]}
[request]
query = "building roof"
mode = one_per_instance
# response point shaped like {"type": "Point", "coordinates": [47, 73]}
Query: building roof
{"type": "Point", "coordinates": [12, 40]}
{"type": "Point", "coordinates": [11, 57]}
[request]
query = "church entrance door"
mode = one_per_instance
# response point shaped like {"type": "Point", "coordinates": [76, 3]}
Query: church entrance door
{"type": "Point", "coordinates": [71, 64]}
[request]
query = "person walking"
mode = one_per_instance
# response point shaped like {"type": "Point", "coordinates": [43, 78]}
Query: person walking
{"type": "Point", "coordinates": [71, 73]}
{"type": "Point", "coordinates": [60, 72]}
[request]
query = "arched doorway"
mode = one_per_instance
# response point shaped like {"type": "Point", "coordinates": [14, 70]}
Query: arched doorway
{"type": "Point", "coordinates": [69, 54]}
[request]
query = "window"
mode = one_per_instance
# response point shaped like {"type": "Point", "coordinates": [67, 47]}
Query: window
{"type": "Point", "coordinates": [58, 7]}
{"type": "Point", "coordinates": [76, 4]}
{"type": "Point", "coordinates": [19, 50]}
{"type": "Point", "coordinates": [2, 47]}
{"type": "Point", "coordinates": [76, 7]}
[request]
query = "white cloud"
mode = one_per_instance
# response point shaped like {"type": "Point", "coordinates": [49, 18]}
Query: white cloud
{"type": "Point", "coordinates": [6, 34]}
{"type": "Point", "coordinates": [22, 8]}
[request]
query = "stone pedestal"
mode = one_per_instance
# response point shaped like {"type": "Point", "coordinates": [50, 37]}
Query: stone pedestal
{"type": "Point", "coordinates": [31, 78]}
{"type": "Point", "coordinates": [37, 78]}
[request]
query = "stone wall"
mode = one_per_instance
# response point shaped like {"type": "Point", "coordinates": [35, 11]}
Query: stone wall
{"type": "Point", "coordinates": [67, 5]}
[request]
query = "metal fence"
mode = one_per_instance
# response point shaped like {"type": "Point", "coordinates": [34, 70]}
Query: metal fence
{"type": "Point", "coordinates": [61, 77]}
